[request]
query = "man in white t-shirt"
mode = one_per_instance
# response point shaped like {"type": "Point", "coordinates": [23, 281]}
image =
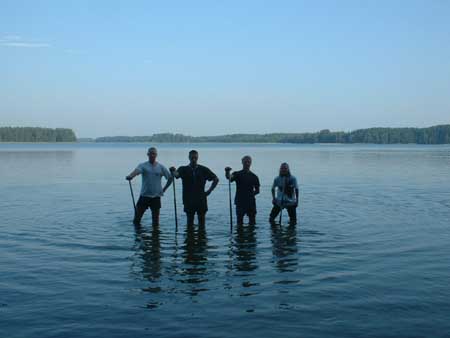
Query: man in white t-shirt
{"type": "Point", "coordinates": [151, 190]}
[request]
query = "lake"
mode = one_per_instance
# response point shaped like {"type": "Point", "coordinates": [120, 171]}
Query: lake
{"type": "Point", "coordinates": [370, 256]}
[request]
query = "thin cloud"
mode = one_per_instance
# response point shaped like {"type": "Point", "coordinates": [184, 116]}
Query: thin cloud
{"type": "Point", "coordinates": [17, 41]}
{"type": "Point", "coordinates": [25, 44]}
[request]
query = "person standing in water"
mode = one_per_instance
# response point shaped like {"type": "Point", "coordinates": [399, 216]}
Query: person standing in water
{"type": "Point", "coordinates": [194, 177]}
{"type": "Point", "coordinates": [286, 187]}
{"type": "Point", "coordinates": [247, 187]}
{"type": "Point", "coordinates": [151, 190]}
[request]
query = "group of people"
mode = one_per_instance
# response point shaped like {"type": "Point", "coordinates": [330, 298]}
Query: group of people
{"type": "Point", "coordinates": [285, 192]}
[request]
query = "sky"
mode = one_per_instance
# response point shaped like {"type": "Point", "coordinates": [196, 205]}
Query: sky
{"type": "Point", "coordinates": [108, 68]}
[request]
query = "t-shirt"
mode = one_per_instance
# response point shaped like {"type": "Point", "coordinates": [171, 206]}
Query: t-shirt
{"type": "Point", "coordinates": [194, 181]}
{"type": "Point", "coordinates": [286, 186]}
{"type": "Point", "coordinates": [151, 178]}
{"type": "Point", "coordinates": [246, 183]}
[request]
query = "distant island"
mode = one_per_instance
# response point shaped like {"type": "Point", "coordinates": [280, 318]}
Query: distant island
{"type": "Point", "coordinates": [34, 134]}
{"type": "Point", "coordinates": [432, 135]}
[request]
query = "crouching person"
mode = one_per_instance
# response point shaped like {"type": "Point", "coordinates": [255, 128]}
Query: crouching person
{"type": "Point", "coordinates": [284, 195]}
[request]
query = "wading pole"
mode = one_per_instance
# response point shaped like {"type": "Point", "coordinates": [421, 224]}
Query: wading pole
{"type": "Point", "coordinates": [229, 198]}
{"type": "Point", "coordinates": [282, 199]}
{"type": "Point", "coordinates": [132, 196]}
{"type": "Point", "coordinates": [175, 203]}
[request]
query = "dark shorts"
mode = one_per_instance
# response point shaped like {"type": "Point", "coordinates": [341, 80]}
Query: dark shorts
{"type": "Point", "coordinates": [193, 208]}
{"type": "Point", "coordinates": [246, 210]}
{"type": "Point", "coordinates": [154, 203]}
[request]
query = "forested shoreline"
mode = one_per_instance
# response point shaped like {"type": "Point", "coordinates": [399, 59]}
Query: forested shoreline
{"type": "Point", "coordinates": [432, 135]}
{"type": "Point", "coordinates": [35, 134]}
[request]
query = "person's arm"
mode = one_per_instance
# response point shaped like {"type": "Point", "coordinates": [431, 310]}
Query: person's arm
{"type": "Point", "coordinates": [213, 186]}
{"type": "Point", "coordinates": [256, 189]}
{"type": "Point", "coordinates": [296, 197]}
{"type": "Point", "coordinates": [273, 192]}
{"type": "Point", "coordinates": [174, 172]}
{"type": "Point", "coordinates": [168, 177]}
{"type": "Point", "coordinates": [133, 174]}
{"type": "Point", "coordinates": [210, 176]}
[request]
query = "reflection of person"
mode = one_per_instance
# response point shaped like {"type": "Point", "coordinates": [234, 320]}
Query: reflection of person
{"type": "Point", "coordinates": [286, 187]}
{"type": "Point", "coordinates": [150, 246]}
{"type": "Point", "coordinates": [247, 186]}
{"type": "Point", "coordinates": [151, 191]}
{"type": "Point", "coordinates": [284, 247]}
{"type": "Point", "coordinates": [245, 248]}
{"type": "Point", "coordinates": [194, 177]}
{"type": "Point", "coordinates": [195, 256]}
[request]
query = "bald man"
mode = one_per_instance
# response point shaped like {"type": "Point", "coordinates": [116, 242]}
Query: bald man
{"type": "Point", "coordinates": [151, 190]}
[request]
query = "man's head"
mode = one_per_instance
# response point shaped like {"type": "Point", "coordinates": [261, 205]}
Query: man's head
{"type": "Point", "coordinates": [152, 153]}
{"type": "Point", "coordinates": [284, 169]}
{"type": "Point", "coordinates": [193, 157]}
{"type": "Point", "coordinates": [246, 162]}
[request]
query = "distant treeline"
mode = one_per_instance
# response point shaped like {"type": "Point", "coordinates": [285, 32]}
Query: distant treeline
{"type": "Point", "coordinates": [432, 135]}
{"type": "Point", "coordinates": [33, 134]}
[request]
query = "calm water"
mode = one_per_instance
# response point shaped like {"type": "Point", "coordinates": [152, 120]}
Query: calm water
{"type": "Point", "coordinates": [369, 258]}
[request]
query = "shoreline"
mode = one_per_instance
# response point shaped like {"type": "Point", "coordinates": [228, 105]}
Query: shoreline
{"type": "Point", "coordinates": [231, 143]}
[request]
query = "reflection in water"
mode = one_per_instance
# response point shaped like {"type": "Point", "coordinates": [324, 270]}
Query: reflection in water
{"type": "Point", "coordinates": [148, 246]}
{"type": "Point", "coordinates": [245, 248]}
{"type": "Point", "coordinates": [189, 271]}
{"type": "Point", "coordinates": [148, 250]}
{"type": "Point", "coordinates": [242, 264]}
{"type": "Point", "coordinates": [284, 247]}
{"type": "Point", "coordinates": [195, 252]}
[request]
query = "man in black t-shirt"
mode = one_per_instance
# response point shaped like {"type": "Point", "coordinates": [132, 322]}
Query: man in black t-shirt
{"type": "Point", "coordinates": [247, 186]}
{"type": "Point", "coordinates": [194, 177]}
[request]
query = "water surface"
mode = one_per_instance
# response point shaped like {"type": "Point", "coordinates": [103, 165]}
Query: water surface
{"type": "Point", "coordinates": [370, 256]}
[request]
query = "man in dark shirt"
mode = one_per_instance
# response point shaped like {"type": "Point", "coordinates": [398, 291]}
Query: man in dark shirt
{"type": "Point", "coordinates": [247, 186]}
{"type": "Point", "coordinates": [194, 177]}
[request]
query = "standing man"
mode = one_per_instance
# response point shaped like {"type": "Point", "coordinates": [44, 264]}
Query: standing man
{"type": "Point", "coordinates": [194, 177]}
{"type": "Point", "coordinates": [247, 187]}
{"type": "Point", "coordinates": [287, 195]}
{"type": "Point", "coordinates": [152, 190]}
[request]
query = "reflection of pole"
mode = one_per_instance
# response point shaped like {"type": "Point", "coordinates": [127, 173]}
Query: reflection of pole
{"type": "Point", "coordinates": [175, 203]}
{"type": "Point", "coordinates": [132, 196]}
{"type": "Point", "coordinates": [231, 211]}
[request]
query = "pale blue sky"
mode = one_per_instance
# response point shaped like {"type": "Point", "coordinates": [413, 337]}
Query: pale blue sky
{"type": "Point", "coordinates": [215, 67]}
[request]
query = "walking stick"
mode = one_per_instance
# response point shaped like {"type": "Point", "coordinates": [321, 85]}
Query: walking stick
{"type": "Point", "coordinates": [231, 211]}
{"type": "Point", "coordinates": [175, 204]}
{"type": "Point", "coordinates": [281, 207]}
{"type": "Point", "coordinates": [132, 196]}
{"type": "Point", "coordinates": [282, 199]}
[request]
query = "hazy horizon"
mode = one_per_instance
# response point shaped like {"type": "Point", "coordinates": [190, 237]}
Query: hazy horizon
{"type": "Point", "coordinates": [206, 69]}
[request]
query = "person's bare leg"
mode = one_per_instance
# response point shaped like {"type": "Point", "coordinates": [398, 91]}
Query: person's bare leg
{"type": "Point", "coordinates": [201, 218]}
{"type": "Point", "coordinates": [251, 218]}
{"type": "Point", "coordinates": [274, 213]}
{"type": "Point", "coordinates": [139, 212]}
{"type": "Point", "coordinates": [155, 217]}
{"type": "Point", "coordinates": [190, 218]}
